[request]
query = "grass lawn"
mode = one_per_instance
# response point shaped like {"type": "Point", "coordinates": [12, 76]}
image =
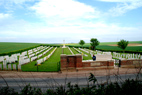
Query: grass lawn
{"type": "Point", "coordinates": [67, 51]}
{"type": "Point", "coordinates": [51, 64]}
{"type": "Point", "coordinates": [74, 51]}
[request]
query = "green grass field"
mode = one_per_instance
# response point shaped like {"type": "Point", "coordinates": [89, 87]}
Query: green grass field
{"type": "Point", "coordinates": [74, 51]}
{"type": "Point", "coordinates": [67, 51]}
{"type": "Point", "coordinates": [6, 47]}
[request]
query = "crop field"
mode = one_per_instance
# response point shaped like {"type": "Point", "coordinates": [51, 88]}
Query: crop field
{"type": "Point", "coordinates": [6, 47]}
{"type": "Point", "coordinates": [135, 46]}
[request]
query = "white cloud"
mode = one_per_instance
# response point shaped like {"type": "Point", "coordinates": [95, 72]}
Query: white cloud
{"type": "Point", "coordinates": [66, 19]}
{"type": "Point", "coordinates": [15, 1]}
{"type": "Point", "coordinates": [64, 9]}
{"type": "Point", "coordinates": [124, 7]}
{"type": "Point", "coordinates": [119, 0]}
{"type": "Point", "coordinates": [2, 15]}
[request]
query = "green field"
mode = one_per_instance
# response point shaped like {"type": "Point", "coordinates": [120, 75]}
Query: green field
{"type": "Point", "coordinates": [103, 43]}
{"type": "Point", "coordinates": [6, 47]}
{"type": "Point", "coordinates": [106, 46]}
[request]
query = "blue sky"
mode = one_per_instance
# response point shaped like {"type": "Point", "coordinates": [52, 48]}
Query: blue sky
{"type": "Point", "coordinates": [52, 21]}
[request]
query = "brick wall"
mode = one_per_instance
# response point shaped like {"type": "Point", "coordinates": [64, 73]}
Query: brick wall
{"type": "Point", "coordinates": [131, 63]}
{"type": "Point", "coordinates": [75, 62]}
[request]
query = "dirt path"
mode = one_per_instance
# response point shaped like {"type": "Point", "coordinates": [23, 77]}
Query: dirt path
{"type": "Point", "coordinates": [104, 72]}
{"type": "Point", "coordinates": [132, 44]}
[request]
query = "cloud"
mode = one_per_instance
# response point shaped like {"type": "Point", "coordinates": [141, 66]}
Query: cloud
{"type": "Point", "coordinates": [11, 5]}
{"type": "Point", "coordinates": [119, 0]}
{"type": "Point", "coordinates": [123, 6]}
{"type": "Point", "coordinates": [16, 1]}
{"type": "Point", "coordinates": [64, 10]}
{"type": "Point", "coordinates": [3, 16]}
{"type": "Point", "coordinates": [65, 19]}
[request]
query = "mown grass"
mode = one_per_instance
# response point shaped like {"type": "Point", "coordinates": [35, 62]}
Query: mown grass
{"type": "Point", "coordinates": [74, 51]}
{"type": "Point", "coordinates": [51, 64]}
{"type": "Point", "coordinates": [67, 51]}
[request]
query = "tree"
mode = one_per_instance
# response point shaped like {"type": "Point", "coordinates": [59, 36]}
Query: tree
{"type": "Point", "coordinates": [122, 44]}
{"type": "Point", "coordinates": [81, 43]}
{"type": "Point", "coordinates": [94, 42]}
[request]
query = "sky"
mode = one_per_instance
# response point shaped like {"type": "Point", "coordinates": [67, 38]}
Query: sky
{"type": "Point", "coordinates": [52, 21]}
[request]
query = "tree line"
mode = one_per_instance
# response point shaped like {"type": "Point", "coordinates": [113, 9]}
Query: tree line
{"type": "Point", "coordinates": [94, 42]}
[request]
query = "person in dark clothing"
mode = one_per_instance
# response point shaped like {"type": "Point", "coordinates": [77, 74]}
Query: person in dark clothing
{"type": "Point", "coordinates": [94, 57]}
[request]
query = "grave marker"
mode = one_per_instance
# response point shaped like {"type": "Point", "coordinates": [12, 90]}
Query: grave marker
{"type": "Point", "coordinates": [9, 66]}
{"type": "Point", "coordinates": [4, 67]}
{"type": "Point", "coordinates": [19, 67]}
{"type": "Point", "coordinates": [14, 67]}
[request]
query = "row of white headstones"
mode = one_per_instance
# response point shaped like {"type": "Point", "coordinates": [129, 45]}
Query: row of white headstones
{"type": "Point", "coordinates": [114, 54]}
{"type": "Point", "coordinates": [26, 57]}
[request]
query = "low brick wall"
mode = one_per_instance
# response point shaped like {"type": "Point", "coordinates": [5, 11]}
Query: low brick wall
{"type": "Point", "coordinates": [131, 63]}
{"type": "Point", "coordinates": [98, 64]}
{"type": "Point", "coordinates": [103, 57]}
{"type": "Point", "coordinates": [75, 62]}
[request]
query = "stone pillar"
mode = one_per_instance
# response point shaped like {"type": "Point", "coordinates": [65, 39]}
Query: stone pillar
{"type": "Point", "coordinates": [63, 61]}
{"type": "Point", "coordinates": [79, 61]}
{"type": "Point", "coordinates": [71, 61]}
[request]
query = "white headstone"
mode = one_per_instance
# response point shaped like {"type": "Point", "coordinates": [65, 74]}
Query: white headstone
{"type": "Point", "coordinates": [9, 66]}
{"type": "Point", "coordinates": [133, 55]}
{"type": "Point", "coordinates": [14, 66]}
{"type": "Point", "coordinates": [19, 67]}
{"type": "Point", "coordinates": [1, 58]}
{"type": "Point", "coordinates": [4, 67]}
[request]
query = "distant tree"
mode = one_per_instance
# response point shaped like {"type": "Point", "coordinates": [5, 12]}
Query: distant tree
{"type": "Point", "coordinates": [122, 44]}
{"type": "Point", "coordinates": [82, 43]}
{"type": "Point", "coordinates": [94, 42]}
